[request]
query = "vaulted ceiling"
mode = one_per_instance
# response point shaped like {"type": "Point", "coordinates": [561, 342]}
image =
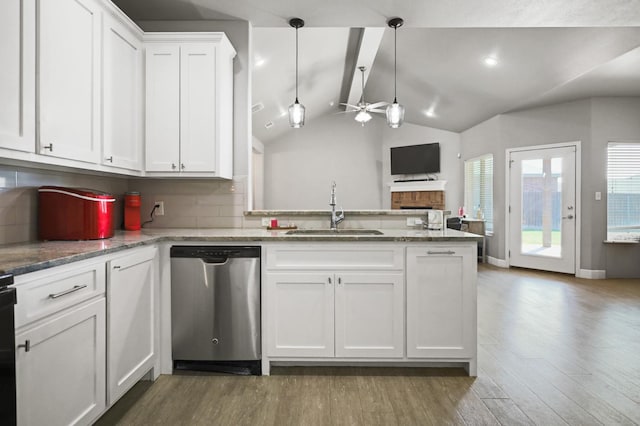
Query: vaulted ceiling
{"type": "Point", "coordinates": [546, 52]}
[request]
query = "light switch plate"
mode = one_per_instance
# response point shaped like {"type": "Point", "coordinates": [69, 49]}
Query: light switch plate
{"type": "Point", "coordinates": [266, 221]}
{"type": "Point", "coordinates": [598, 195]}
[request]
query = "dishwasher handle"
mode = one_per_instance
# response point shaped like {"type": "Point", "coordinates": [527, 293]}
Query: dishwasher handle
{"type": "Point", "coordinates": [215, 261]}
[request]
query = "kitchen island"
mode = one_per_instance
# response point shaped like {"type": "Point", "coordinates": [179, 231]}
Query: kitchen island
{"type": "Point", "coordinates": [403, 298]}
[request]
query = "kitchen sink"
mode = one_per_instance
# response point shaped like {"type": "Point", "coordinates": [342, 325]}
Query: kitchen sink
{"type": "Point", "coordinates": [334, 232]}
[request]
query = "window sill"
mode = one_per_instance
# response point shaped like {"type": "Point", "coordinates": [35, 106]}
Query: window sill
{"type": "Point", "coordinates": [621, 242]}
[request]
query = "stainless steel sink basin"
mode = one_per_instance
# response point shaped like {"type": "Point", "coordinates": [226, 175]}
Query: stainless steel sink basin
{"type": "Point", "coordinates": [336, 232]}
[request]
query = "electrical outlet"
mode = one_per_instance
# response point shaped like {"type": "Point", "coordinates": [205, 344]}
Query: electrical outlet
{"type": "Point", "coordinates": [266, 221]}
{"type": "Point", "coordinates": [160, 209]}
{"type": "Point", "coordinates": [413, 221]}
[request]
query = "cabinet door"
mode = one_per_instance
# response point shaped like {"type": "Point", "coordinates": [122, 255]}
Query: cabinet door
{"type": "Point", "coordinates": [17, 77]}
{"type": "Point", "coordinates": [61, 379]}
{"type": "Point", "coordinates": [69, 78]}
{"type": "Point", "coordinates": [369, 318]}
{"type": "Point", "coordinates": [441, 302]}
{"type": "Point", "coordinates": [300, 314]}
{"type": "Point", "coordinates": [162, 106]}
{"type": "Point", "coordinates": [198, 107]}
{"type": "Point", "coordinates": [122, 94]}
{"type": "Point", "coordinates": [131, 319]}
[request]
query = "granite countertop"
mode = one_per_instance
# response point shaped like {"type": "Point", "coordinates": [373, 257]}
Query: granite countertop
{"type": "Point", "coordinates": [20, 259]}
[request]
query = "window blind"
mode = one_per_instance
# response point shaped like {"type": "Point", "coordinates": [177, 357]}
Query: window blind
{"type": "Point", "coordinates": [478, 188]}
{"type": "Point", "coordinates": [623, 191]}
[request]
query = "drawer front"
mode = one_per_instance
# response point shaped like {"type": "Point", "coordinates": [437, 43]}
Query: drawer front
{"type": "Point", "coordinates": [313, 257]}
{"type": "Point", "coordinates": [60, 288]}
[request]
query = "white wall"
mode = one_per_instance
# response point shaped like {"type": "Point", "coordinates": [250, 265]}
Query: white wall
{"type": "Point", "coordinates": [300, 166]}
{"type": "Point", "coordinates": [593, 122]}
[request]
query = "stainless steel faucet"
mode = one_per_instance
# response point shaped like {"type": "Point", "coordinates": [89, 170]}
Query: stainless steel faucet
{"type": "Point", "coordinates": [335, 218]}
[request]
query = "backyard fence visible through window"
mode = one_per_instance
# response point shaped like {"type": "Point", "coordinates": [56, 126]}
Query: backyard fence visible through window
{"type": "Point", "coordinates": [623, 191]}
{"type": "Point", "coordinates": [478, 189]}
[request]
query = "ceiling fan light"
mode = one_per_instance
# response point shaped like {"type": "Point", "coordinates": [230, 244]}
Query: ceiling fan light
{"type": "Point", "coordinates": [296, 115]}
{"type": "Point", "coordinates": [395, 115]}
{"type": "Point", "coordinates": [362, 117]}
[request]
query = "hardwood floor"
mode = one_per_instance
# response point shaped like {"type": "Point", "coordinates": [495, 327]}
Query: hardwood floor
{"type": "Point", "coordinates": [553, 350]}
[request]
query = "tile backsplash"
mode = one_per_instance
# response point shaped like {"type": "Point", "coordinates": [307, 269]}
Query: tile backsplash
{"type": "Point", "coordinates": [193, 203]}
{"type": "Point", "coordinates": [188, 203]}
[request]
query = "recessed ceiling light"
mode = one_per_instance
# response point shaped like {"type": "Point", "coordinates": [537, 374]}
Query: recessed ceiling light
{"type": "Point", "coordinates": [332, 103]}
{"type": "Point", "coordinates": [269, 125]}
{"type": "Point", "coordinates": [259, 62]}
{"type": "Point", "coordinates": [430, 113]}
{"type": "Point", "coordinates": [490, 61]}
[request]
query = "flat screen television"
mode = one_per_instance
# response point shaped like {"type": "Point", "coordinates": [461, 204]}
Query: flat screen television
{"type": "Point", "coordinates": [415, 159]}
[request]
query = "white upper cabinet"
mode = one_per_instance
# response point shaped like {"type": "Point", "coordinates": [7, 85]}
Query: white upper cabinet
{"type": "Point", "coordinates": [122, 96]}
{"type": "Point", "coordinates": [17, 75]}
{"type": "Point", "coordinates": [189, 104]}
{"type": "Point", "coordinates": [69, 76]}
{"type": "Point", "coordinates": [162, 107]}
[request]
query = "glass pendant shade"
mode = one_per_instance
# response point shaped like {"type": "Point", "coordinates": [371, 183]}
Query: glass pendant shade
{"type": "Point", "coordinates": [296, 115]}
{"type": "Point", "coordinates": [395, 115]}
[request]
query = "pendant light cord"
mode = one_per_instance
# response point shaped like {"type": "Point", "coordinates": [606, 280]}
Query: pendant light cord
{"type": "Point", "coordinates": [395, 64]}
{"type": "Point", "coordinates": [296, 64]}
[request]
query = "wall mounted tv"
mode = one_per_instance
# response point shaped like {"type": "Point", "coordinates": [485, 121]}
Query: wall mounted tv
{"type": "Point", "coordinates": [415, 159]}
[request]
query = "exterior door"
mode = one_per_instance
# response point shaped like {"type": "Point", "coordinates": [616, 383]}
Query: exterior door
{"type": "Point", "coordinates": [542, 202]}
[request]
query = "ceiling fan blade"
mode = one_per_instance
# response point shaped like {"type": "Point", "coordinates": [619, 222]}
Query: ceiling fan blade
{"type": "Point", "coordinates": [349, 105]}
{"type": "Point", "coordinates": [381, 111]}
{"type": "Point", "coordinates": [376, 105]}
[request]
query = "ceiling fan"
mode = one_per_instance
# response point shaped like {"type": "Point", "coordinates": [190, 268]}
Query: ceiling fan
{"type": "Point", "coordinates": [363, 109]}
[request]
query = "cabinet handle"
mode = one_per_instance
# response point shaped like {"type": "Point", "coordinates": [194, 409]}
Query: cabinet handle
{"type": "Point", "coordinates": [49, 147]}
{"type": "Point", "coordinates": [26, 345]}
{"type": "Point", "coordinates": [441, 252]}
{"type": "Point", "coordinates": [116, 266]}
{"type": "Point", "coordinates": [173, 166]}
{"type": "Point", "coordinates": [339, 280]}
{"type": "Point", "coordinates": [71, 290]}
{"type": "Point", "coordinates": [182, 166]}
{"type": "Point", "coordinates": [109, 159]}
{"type": "Point", "coordinates": [329, 280]}
{"type": "Point", "coordinates": [568, 217]}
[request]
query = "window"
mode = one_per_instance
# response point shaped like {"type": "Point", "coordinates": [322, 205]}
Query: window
{"type": "Point", "coordinates": [623, 191]}
{"type": "Point", "coordinates": [478, 188]}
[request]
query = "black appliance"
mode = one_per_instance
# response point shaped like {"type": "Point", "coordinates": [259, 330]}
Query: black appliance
{"type": "Point", "coordinates": [7, 351]}
{"type": "Point", "coordinates": [415, 159]}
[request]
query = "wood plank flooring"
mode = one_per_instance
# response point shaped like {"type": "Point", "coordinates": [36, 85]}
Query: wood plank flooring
{"type": "Point", "coordinates": [553, 350]}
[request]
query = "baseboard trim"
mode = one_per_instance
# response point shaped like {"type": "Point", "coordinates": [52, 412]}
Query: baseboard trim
{"type": "Point", "coordinates": [500, 263]}
{"type": "Point", "coordinates": [592, 274]}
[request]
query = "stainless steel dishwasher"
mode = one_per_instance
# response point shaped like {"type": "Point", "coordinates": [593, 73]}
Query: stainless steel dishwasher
{"type": "Point", "coordinates": [215, 308]}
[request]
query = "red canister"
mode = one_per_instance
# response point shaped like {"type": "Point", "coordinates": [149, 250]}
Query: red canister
{"type": "Point", "coordinates": [132, 211]}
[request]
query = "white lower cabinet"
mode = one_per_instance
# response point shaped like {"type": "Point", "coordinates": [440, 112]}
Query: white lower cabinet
{"type": "Point", "coordinates": [60, 368]}
{"type": "Point", "coordinates": [78, 351]}
{"type": "Point", "coordinates": [441, 302]}
{"type": "Point", "coordinates": [301, 308]}
{"type": "Point", "coordinates": [131, 320]}
{"type": "Point", "coordinates": [369, 315]}
{"type": "Point", "coordinates": [349, 310]}
{"type": "Point", "coordinates": [351, 303]}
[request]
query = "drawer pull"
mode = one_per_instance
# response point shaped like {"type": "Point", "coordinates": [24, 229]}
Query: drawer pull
{"type": "Point", "coordinates": [441, 252]}
{"type": "Point", "coordinates": [71, 290]}
{"type": "Point", "coordinates": [26, 345]}
{"type": "Point", "coordinates": [116, 266]}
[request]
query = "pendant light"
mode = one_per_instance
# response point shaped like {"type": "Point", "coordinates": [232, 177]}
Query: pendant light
{"type": "Point", "coordinates": [395, 111]}
{"type": "Point", "coordinates": [296, 110]}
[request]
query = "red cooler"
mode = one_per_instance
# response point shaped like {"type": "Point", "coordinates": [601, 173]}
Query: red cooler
{"type": "Point", "coordinates": [74, 214]}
